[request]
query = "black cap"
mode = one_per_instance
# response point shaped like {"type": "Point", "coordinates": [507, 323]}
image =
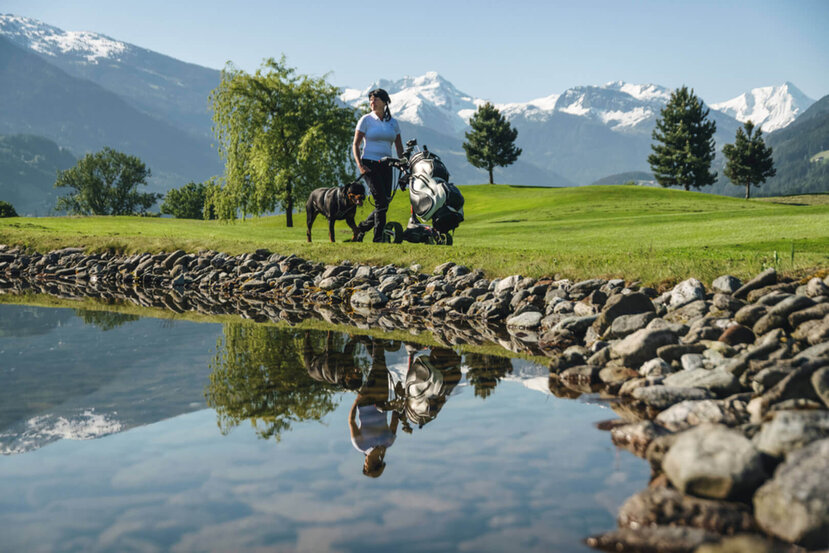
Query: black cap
{"type": "Point", "coordinates": [380, 93]}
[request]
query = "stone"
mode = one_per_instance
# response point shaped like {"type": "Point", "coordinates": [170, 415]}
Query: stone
{"type": "Point", "coordinates": [685, 414]}
{"type": "Point", "coordinates": [506, 284]}
{"type": "Point", "coordinates": [718, 381]}
{"type": "Point", "coordinates": [766, 278]}
{"type": "Point", "coordinates": [737, 334]}
{"type": "Point", "coordinates": [820, 383]}
{"type": "Point", "coordinates": [688, 312]}
{"type": "Point", "coordinates": [653, 539]}
{"type": "Point", "coordinates": [692, 361]}
{"type": "Point", "coordinates": [661, 505]}
{"type": "Point", "coordinates": [686, 292]}
{"type": "Point", "coordinates": [796, 385]}
{"type": "Point", "coordinates": [662, 397]}
{"type": "Point", "coordinates": [791, 305]}
{"type": "Point", "coordinates": [674, 352]}
{"type": "Point", "coordinates": [368, 298]}
{"type": "Point", "coordinates": [529, 319]}
{"type": "Point", "coordinates": [791, 430]}
{"type": "Point", "coordinates": [637, 436]}
{"type": "Point", "coordinates": [576, 325]}
{"type": "Point", "coordinates": [628, 324]}
{"type": "Point", "coordinates": [641, 346]}
{"type": "Point", "coordinates": [581, 373]}
{"type": "Point", "coordinates": [819, 311]}
{"type": "Point", "coordinates": [622, 304]}
{"type": "Point", "coordinates": [725, 302]}
{"type": "Point", "coordinates": [767, 323]}
{"type": "Point", "coordinates": [713, 461]}
{"type": "Point", "coordinates": [794, 504]}
{"type": "Point", "coordinates": [750, 314]}
{"type": "Point", "coordinates": [656, 367]}
{"type": "Point", "coordinates": [816, 287]}
{"type": "Point", "coordinates": [726, 284]}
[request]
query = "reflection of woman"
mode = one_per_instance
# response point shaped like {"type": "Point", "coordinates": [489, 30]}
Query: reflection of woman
{"type": "Point", "coordinates": [373, 435]}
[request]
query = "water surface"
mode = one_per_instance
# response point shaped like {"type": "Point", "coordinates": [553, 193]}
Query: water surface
{"type": "Point", "coordinates": [122, 433]}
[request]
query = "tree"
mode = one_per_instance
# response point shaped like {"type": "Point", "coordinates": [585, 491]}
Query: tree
{"type": "Point", "coordinates": [749, 160]}
{"type": "Point", "coordinates": [188, 202]}
{"type": "Point", "coordinates": [105, 183]}
{"type": "Point", "coordinates": [684, 145]}
{"type": "Point", "coordinates": [7, 210]}
{"type": "Point", "coordinates": [281, 135]}
{"type": "Point", "coordinates": [491, 142]}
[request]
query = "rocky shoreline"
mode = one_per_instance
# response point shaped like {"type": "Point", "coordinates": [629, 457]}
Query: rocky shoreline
{"type": "Point", "coordinates": [724, 391]}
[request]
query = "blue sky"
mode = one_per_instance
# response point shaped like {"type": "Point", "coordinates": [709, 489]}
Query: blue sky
{"type": "Point", "coordinates": [501, 51]}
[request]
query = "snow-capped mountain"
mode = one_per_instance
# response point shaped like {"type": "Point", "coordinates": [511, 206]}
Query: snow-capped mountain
{"type": "Point", "coordinates": [158, 85]}
{"type": "Point", "coordinates": [51, 41]}
{"type": "Point", "coordinates": [771, 107]}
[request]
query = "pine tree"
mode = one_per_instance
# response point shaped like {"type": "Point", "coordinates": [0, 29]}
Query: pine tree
{"type": "Point", "coordinates": [749, 159]}
{"type": "Point", "coordinates": [491, 142]}
{"type": "Point", "coordinates": [684, 144]}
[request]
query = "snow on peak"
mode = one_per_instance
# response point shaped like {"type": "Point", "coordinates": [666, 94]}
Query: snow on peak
{"type": "Point", "coordinates": [771, 107]}
{"type": "Point", "coordinates": [428, 100]}
{"type": "Point", "coordinates": [51, 41]}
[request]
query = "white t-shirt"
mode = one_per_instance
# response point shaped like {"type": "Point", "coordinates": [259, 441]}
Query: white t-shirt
{"type": "Point", "coordinates": [379, 137]}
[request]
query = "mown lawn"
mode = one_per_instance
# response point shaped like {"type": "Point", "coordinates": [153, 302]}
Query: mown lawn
{"type": "Point", "coordinates": [649, 234]}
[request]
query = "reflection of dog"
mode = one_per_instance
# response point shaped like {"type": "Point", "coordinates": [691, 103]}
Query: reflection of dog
{"type": "Point", "coordinates": [335, 204]}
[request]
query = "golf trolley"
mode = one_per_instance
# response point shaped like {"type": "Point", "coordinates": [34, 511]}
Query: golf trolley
{"type": "Point", "coordinates": [432, 197]}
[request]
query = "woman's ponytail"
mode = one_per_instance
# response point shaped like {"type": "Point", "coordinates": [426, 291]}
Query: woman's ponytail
{"type": "Point", "coordinates": [387, 116]}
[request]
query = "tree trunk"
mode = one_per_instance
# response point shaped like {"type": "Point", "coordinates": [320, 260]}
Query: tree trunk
{"type": "Point", "coordinates": [748, 190]}
{"type": "Point", "coordinates": [289, 207]}
{"type": "Point", "coordinates": [490, 175]}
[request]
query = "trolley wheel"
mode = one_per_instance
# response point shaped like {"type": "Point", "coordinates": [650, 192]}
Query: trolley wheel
{"type": "Point", "coordinates": [447, 239]}
{"type": "Point", "coordinates": [393, 232]}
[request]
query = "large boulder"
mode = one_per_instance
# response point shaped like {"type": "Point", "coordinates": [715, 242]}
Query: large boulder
{"type": "Point", "coordinates": [794, 504]}
{"type": "Point", "coordinates": [686, 292]}
{"type": "Point", "coordinates": [622, 304]}
{"type": "Point", "coordinates": [791, 430]}
{"type": "Point", "coordinates": [368, 298]}
{"type": "Point", "coordinates": [641, 346]}
{"type": "Point", "coordinates": [714, 461]}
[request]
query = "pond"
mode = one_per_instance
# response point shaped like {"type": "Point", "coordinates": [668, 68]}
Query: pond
{"type": "Point", "coordinates": [123, 433]}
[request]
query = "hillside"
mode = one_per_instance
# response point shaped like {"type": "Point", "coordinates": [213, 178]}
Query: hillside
{"type": "Point", "coordinates": [28, 168]}
{"type": "Point", "coordinates": [38, 98]}
{"type": "Point", "coordinates": [635, 232]}
{"type": "Point", "coordinates": [155, 84]}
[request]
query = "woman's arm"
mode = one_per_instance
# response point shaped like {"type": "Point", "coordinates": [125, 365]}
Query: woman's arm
{"type": "Point", "coordinates": [358, 140]}
{"type": "Point", "coordinates": [398, 143]}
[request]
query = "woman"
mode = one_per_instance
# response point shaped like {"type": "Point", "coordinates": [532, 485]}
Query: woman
{"type": "Point", "coordinates": [376, 131]}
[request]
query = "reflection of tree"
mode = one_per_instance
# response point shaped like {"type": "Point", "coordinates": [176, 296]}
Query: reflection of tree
{"type": "Point", "coordinates": [105, 320]}
{"type": "Point", "coordinates": [258, 375]}
{"type": "Point", "coordinates": [485, 371]}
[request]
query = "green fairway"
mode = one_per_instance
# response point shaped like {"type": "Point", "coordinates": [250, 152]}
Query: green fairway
{"type": "Point", "coordinates": [650, 234]}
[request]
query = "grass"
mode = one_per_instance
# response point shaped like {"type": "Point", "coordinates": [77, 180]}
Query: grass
{"type": "Point", "coordinates": [820, 156]}
{"type": "Point", "coordinates": [638, 233]}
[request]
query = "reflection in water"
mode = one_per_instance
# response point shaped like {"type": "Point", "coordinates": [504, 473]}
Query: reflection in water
{"type": "Point", "coordinates": [515, 470]}
{"type": "Point", "coordinates": [105, 320]}
{"type": "Point", "coordinates": [275, 377]}
{"type": "Point", "coordinates": [258, 375]}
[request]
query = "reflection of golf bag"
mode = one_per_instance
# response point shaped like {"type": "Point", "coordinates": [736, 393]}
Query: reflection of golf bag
{"type": "Point", "coordinates": [429, 381]}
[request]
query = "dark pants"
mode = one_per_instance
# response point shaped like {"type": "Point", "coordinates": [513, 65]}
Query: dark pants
{"type": "Point", "coordinates": [379, 180]}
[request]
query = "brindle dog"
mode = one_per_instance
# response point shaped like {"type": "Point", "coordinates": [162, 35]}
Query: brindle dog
{"type": "Point", "coordinates": [335, 204]}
